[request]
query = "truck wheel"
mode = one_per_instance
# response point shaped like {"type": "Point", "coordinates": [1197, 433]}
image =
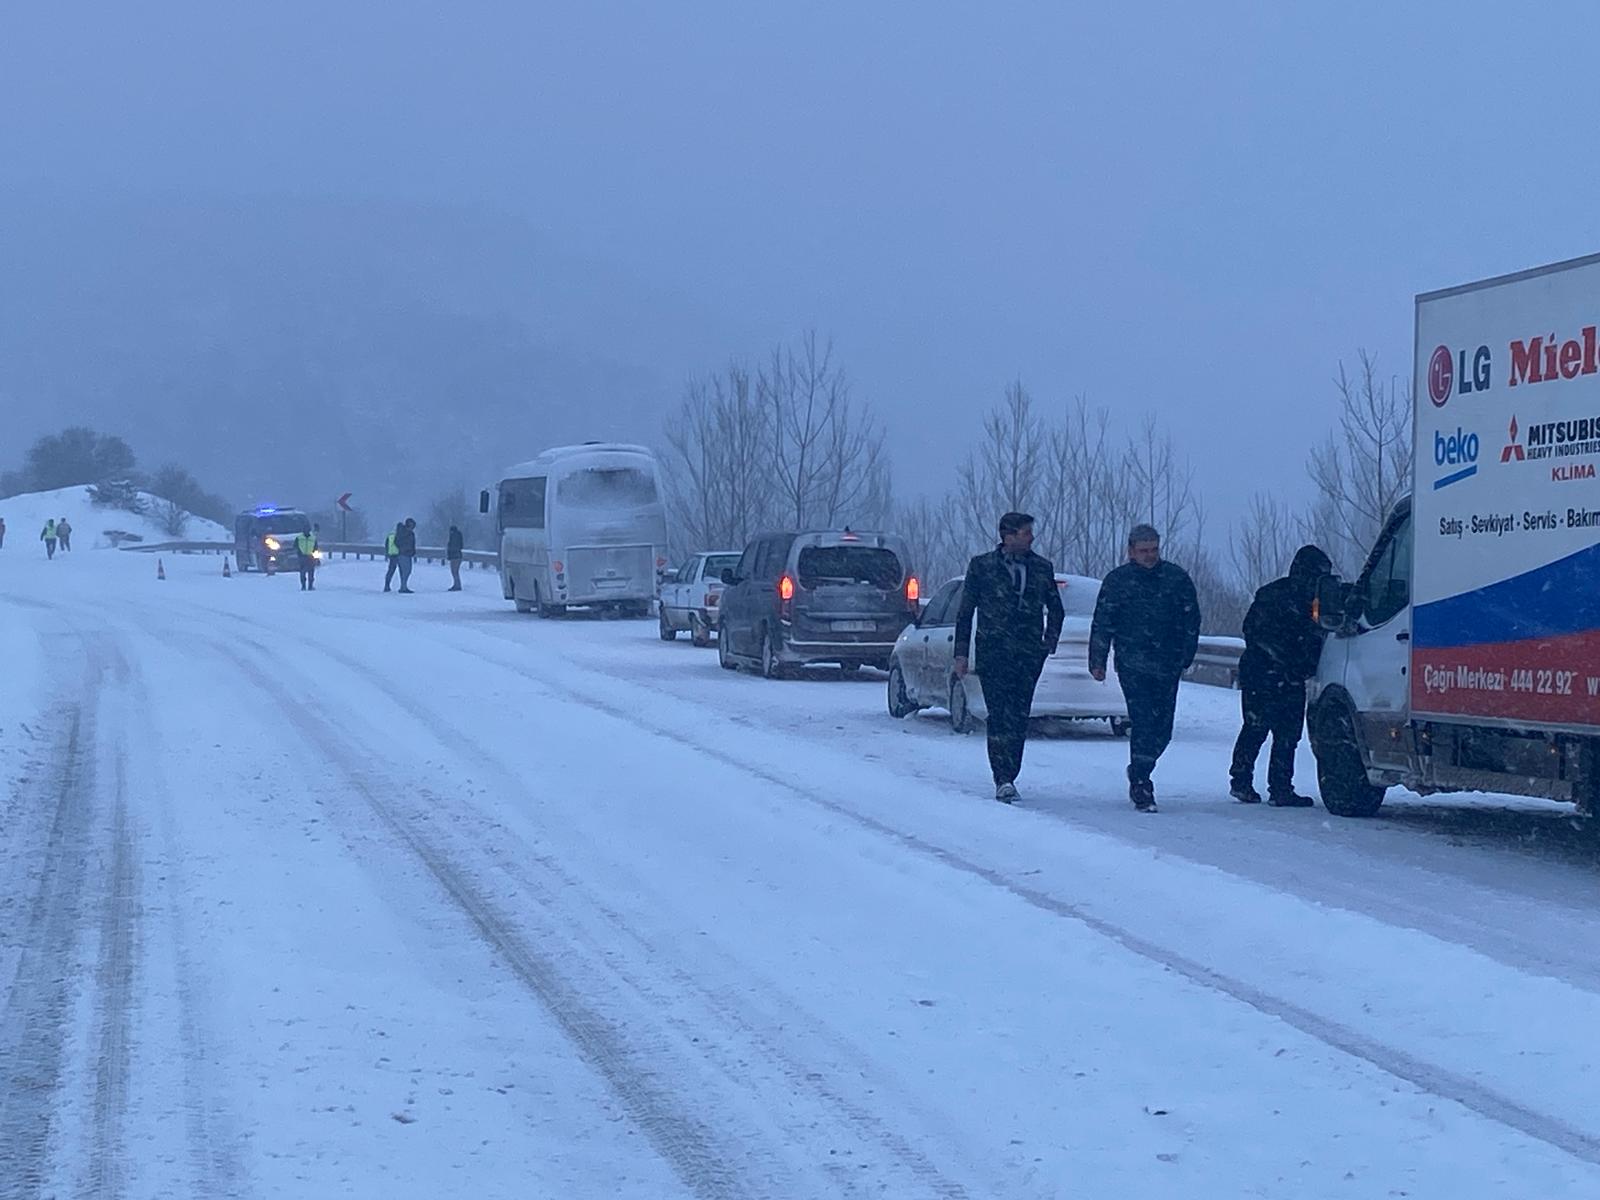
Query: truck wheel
{"type": "Point", "coordinates": [668, 633]}
{"type": "Point", "coordinates": [961, 720]}
{"type": "Point", "coordinates": [1341, 773]}
{"type": "Point", "coordinates": [900, 705]}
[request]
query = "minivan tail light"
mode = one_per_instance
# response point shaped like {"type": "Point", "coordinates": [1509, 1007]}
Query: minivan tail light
{"type": "Point", "coordinates": [786, 597]}
{"type": "Point", "coordinates": [913, 590]}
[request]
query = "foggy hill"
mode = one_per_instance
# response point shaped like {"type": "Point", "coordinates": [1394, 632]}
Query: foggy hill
{"type": "Point", "coordinates": [292, 350]}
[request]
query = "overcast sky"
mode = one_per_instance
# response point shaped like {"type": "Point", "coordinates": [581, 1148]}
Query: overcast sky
{"type": "Point", "coordinates": [1191, 208]}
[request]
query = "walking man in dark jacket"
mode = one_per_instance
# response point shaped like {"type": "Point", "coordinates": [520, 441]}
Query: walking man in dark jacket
{"type": "Point", "coordinates": [1149, 616]}
{"type": "Point", "coordinates": [1011, 591]}
{"type": "Point", "coordinates": [405, 539]}
{"type": "Point", "coordinates": [454, 544]}
{"type": "Point", "coordinates": [1281, 646]}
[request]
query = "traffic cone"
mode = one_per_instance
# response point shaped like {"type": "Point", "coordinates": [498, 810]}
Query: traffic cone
{"type": "Point", "coordinates": [161, 571]}
{"type": "Point", "coordinates": [226, 574]}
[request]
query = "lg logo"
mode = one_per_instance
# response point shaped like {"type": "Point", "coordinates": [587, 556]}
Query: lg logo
{"type": "Point", "coordinates": [1447, 373]}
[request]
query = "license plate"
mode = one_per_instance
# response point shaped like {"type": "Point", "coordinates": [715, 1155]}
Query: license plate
{"type": "Point", "coordinates": [854, 626]}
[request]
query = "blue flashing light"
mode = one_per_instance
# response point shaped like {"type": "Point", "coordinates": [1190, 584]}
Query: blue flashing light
{"type": "Point", "coordinates": [266, 510]}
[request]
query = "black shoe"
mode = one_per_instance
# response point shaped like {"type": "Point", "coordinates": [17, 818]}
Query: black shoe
{"type": "Point", "coordinates": [1289, 800]}
{"type": "Point", "coordinates": [1244, 793]}
{"type": "Point", "coordinates": [456, 588]}
{"type": "Point", "coordinates": [386, 587]}
{"type": "Point", "coordinates": [1143, 794]}
{"type": "Point", "coordinates": [405, 591]}
{"type": "Point", "coordinates": [1006, 793]}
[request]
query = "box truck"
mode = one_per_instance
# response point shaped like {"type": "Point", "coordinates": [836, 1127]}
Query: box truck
{"type": "Point", "coordinates": [1466, 656]}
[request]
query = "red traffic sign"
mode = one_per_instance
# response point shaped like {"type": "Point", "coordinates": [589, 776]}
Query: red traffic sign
{"type": "Point", "coordinates": [344, 501]}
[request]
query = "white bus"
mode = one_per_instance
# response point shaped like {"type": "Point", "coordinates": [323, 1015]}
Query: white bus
{"type": "Point", "coordinates": [582, 526]}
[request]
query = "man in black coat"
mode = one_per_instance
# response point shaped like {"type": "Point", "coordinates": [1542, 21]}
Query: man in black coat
{"type": "Point", "coordinates": [454, 544]}
{"type": "Point", "coordinates": [1012, 594]}
{"type": "Point", "coordinates": [1282, 643]}
{"type": "Point", "coordinates": [406, 542]}
{"type": "Point", "coordinates": [1149, 616]}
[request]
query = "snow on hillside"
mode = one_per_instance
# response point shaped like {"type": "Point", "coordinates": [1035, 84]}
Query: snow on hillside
{"type": "Point", "coordinates": [26, 514]}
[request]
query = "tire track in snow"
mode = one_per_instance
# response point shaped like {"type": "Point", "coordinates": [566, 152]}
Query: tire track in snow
{"type": "Point", "coordinates": [113, 1000]}
{"type": "Point", "coordinates": [696, 1155]}
{"type": "Point", "coordinates": [33, 1027]}
{"type": "Point", "coordinates": [864, 1126]}
{"type": "Point", "coordinates": [1420, 1073]}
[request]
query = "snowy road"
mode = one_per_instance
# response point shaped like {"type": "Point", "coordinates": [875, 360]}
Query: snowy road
{"type": "Point", "coordinates": [363, 895]}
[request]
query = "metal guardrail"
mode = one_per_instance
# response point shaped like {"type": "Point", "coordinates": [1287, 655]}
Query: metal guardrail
{"type": "Point", "coordinates": [358, 550]}
{"type": "Point", "coordinates": [1217, 661]}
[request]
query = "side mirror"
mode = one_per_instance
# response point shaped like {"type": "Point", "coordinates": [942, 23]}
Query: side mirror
{"type": "Point", "coordinates": [1334, 603]}
{"type": "Point", "coordinates": [728, 577]}
{"type": "Point", "coordinates": [483, 503]}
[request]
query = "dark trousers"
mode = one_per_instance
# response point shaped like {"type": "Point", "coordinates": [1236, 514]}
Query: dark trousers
{"type": "Point", "coordinates": [1152, 702]}
{"type": "Point", "coordinates": [308, 572]}
{"type": "Point", "coordinates": [455, 574]}
{"type": "Point", "coordinates": [388, 576]}
{"type": "Point", "coordinates": [49, 547]}
{"type": "Point", "coordinates": [1279, 710]}
{"type": "Point", "coordinates": [1008, 695]}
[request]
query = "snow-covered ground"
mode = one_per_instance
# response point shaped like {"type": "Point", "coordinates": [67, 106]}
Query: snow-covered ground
{"type": "Point", "coordinates": [25, 517]}
{"type": "Point", "coordinates": [352, 894]}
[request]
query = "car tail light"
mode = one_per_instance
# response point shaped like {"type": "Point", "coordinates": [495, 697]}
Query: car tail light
{"type": "Point", "coordinates": [913, 591]}
{"type": "Point", "coordinates": [713, 599]}
{"type": "Point", "coordinates": [559, 566]}
{"type": "Point", "coordinates": [786, 595]}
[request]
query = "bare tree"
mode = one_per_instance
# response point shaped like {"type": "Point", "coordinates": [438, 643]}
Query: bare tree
{"type": "Point", "coordinates": [827, 459]}
{"type": "Point", "coordinates": [719, 479]}
{"type": "Point", "coordinates": [1160, 486]}
{"type": "Point", "coordinates": [172, 517]}
{"type": "Point", "coordinates": [1263, 540]}
{"type": "Point", "coordinates": [931, 531]}
{"type": "Point", "coordinates": [1364, 468]}
{"type": "Point", "coordinates": [1084, 517]}
{"type": "Point", "coordinates": [1004, 472]}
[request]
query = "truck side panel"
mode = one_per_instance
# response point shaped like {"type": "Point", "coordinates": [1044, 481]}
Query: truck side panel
{"type": "Point", "coordinates": [1506, 627]}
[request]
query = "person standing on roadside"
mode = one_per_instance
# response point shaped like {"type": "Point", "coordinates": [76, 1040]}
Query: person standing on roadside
{"type": "Point", "coordinates": [391, 553]}
{"type": "Point", "coordinates": [454, 545]}
{"type": "Point", "coordinates": [64, 534]}
{"type": "Point", "coordinates": [305, 548]}
{"type": "Point", "coordinates": [1011, 594]}
{"type": "Point", "coordinates": [1282, 643]}
{"type": "Point", "coordinates": [2, 533]}
{"type": "Point", "coordinates": [1148, 616]}
{"type": "Point", "coordinates": [48, 537]}
{"type": "Point", "coordinates": [406, 547]}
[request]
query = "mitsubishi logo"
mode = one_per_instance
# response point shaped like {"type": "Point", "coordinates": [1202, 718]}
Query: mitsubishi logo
{"type": "Point", "coordinates": [1513, 449]}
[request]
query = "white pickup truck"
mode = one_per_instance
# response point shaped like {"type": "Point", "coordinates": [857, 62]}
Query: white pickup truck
{"type": "Point", "coordinates": [1467, 655]}
{"type": "Point", "coordinates": [692, 601]}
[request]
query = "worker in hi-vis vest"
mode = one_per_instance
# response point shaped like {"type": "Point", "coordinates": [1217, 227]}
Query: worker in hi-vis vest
{"type": "Point", "coordinates": [305, 547]}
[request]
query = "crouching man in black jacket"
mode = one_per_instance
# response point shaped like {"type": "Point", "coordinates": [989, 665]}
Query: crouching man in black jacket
{"type": "Point", "coordinates": [1012, 593]}
{"type": "Point", "coordinates": [1149, 615]}
{"type": "Point", "coordinates": [1281, 646]}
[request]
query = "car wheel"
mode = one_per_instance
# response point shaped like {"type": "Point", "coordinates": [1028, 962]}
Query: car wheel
{"type": "Point", "coordinates": [668, 633]}
{"type": "Point", "coordinates": [699, 632]}
{"type": "Point", "coordinates": [900, 705]}
{"type": "Point", "coordinates": [961, 719]}
{"type": "Point", "coordinates": [771, 664]}
{"type": "Point", "coordinates": [1341, 774]}
{"type": "Point", "coordinates": [724, 654]}
{"type": "Point", "coordinates": [1120, 726]}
